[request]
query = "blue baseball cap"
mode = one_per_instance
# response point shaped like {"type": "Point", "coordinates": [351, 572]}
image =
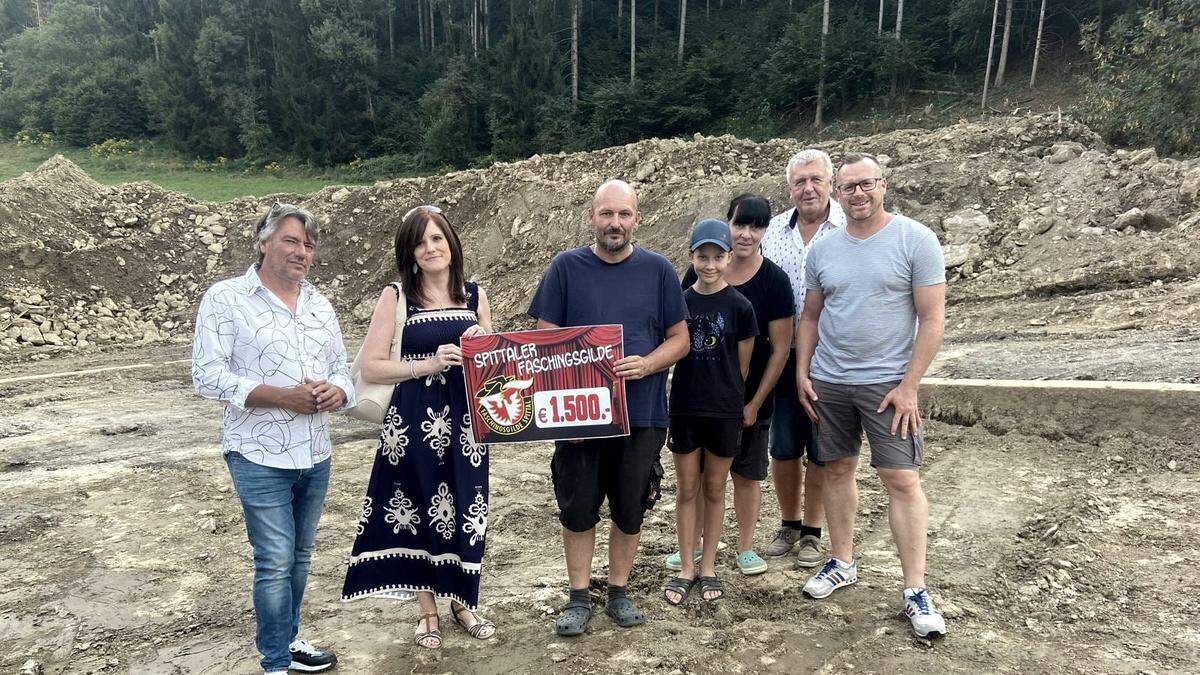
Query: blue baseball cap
{"type": "Point", "coordinates": [711, 231]}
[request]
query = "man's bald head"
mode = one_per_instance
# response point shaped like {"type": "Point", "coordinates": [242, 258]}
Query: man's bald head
{"type": "Point", "coordinates": [614, 216]}
{"type": "Point", "coordinates": [614, 188]}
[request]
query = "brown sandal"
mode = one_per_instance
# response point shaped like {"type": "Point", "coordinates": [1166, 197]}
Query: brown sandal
{"type": "Point", "coordinates": [480, 624]}
{"type": "Point", "coordinates": [435, 634]}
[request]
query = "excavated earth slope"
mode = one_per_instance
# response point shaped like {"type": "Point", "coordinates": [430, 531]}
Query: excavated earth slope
{"type": "Point", "coordinates": [1066, 259]}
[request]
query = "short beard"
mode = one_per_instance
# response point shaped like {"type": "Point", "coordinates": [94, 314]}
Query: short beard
{"type": "Point", "coordinates": [602, 242]}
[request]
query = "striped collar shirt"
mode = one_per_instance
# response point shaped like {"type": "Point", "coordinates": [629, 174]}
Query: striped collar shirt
{"type": "Point", "coordinates": [246, 336]}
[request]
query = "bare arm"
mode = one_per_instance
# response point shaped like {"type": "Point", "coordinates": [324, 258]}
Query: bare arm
{"type": "Point", "coordinates": [930, 303]}
{"type": "Point", "coordinates": [377, 364]}
{"type": "Point", "coordinates": [665, 355]}
{"type": "Point", "coordinates": [780, 332]}
{"type": "Point", "coordinates": [745, 349]}
{"type": "Point", "coordinates": [485, 311]}
{"type": "Point", "coordinates": [806, 345]}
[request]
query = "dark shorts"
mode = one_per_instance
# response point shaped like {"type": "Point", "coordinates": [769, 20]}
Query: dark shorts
{"type": "Point", "coordinates": [718, 436]}
{"type": "Point", "coordinates": [792, 432]}
{"type": "Point", "coordinates": [751, 460]}
{"type": "Point", "coordinates": [847, 411]}
{"type": "Point", "coordinates": [626, 470]}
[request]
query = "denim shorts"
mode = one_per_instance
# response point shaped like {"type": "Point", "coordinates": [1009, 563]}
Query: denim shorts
{"type": "Point", "coordinates": [792, 432]}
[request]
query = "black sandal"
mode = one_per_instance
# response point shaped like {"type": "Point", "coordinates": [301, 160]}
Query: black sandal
{"type": "Point", "coordinates": [710, 585]}
{"type": "Point", "coordinates": [479, 626]}
{"type": "Point", "coordinates": [678, 585]}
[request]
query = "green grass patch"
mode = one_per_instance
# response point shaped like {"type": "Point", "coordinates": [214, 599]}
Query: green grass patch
{"type": "Point", "coordinates": [208, 181]}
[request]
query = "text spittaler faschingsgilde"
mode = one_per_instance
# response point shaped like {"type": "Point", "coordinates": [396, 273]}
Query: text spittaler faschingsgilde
{"type": "Point", "coordinates": [529, 362]}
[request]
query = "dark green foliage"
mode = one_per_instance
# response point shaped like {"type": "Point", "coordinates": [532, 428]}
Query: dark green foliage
{"type": "Point", "coordinates": [69, 78]}
{"type": "Point", "coordinates": [1147, 85]}
{"type": "Point", "coordinates": [356, 82]}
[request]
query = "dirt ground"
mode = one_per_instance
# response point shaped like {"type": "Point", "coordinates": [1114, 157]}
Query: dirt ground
{"type": "Point", "coordinates": [126, 552]}
{"type": "Point", "coordinates": [1049, 552]}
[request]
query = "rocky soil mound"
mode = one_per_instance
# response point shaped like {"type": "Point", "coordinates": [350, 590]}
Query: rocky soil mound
{"type": "Point", "coordinates": [1047, 232]}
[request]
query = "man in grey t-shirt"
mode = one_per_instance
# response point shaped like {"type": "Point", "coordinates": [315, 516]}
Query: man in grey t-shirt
{"type": "Point", "coordinates": [872, 322]}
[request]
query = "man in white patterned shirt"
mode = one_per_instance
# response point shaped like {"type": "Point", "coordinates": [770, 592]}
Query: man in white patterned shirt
{"type": "Point", "coordinates": [789, 237]}
{"type": "Point", "coordinates": [269, 347]}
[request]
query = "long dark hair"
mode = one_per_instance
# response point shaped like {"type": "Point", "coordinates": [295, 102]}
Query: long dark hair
{"type": "Point", "coordinates": [408, 237]}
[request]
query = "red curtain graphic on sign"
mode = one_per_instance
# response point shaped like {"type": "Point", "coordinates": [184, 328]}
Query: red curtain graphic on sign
{"type": "Point", "coordinates": [551, 342]}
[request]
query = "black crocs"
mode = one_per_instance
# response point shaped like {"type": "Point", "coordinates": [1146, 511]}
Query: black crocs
{"type": "Point", "coordinates": [623, 612]}
{"type": "Point", "coordinates": [574, 618]}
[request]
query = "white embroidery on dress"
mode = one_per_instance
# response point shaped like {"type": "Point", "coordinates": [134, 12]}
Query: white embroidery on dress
{"type": "Point", "coordinates": [394, 437]}
{"type": "Point", "coordinates": [400, 511]}
{"type": "Point", "coordinates": [437, 430]}
{"type": "Point", "coordinates": [471, 450]}
{"type": "Point", "coordinates": [441, 511]}
{"type": "Point", "coordinates": [435, 376]}
{"type": "Point", "coordinates": [367, 510]}
{"type": "Point", "coordinates": [475, 523]}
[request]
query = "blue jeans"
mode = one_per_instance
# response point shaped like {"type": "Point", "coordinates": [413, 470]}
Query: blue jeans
{"type": "Point", "coordinates": [281, 507]}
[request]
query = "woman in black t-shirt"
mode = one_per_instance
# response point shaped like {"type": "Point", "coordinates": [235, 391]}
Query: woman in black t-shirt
{"type": "Point", "coordinates": [769, 291]}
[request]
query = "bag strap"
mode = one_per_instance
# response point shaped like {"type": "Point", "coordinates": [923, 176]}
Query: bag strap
{"type": "Point", "coordinates": [401, 319]}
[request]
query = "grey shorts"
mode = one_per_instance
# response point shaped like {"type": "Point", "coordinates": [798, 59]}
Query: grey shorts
{"type": "Point", "coordinates": [846, 411]}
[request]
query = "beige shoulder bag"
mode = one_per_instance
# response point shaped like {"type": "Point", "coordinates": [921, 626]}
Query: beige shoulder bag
{"type": "Point", "coordinates": [372, 400]}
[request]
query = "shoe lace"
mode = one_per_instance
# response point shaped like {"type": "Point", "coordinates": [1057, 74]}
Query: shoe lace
{"type": "Point", "coordinates": [304, 646]}
{"type": "Point", "coordinates": [826, 569]}
{"type": "Point", "coordinates": [921, 600]}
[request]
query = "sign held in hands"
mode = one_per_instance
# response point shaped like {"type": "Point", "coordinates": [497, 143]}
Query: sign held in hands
{"type": "Point", "coordinates": [539, 385]}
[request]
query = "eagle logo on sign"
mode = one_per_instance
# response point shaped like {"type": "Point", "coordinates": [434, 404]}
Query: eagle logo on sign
{"type": "Point", "coordinates": [505, 406]}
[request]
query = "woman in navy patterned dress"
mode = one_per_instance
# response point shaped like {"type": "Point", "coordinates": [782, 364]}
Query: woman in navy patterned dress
{"type": "Point", "coordinates": [421, 531]}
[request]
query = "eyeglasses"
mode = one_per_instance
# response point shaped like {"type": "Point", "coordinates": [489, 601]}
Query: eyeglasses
{"type": "Point", "coordinates": [424, 207]}
{"type": "Point", "coordinates": [867, 185]}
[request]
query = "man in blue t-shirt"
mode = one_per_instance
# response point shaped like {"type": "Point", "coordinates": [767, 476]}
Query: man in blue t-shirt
{"type": "Point", "coordinates": [613, 282]}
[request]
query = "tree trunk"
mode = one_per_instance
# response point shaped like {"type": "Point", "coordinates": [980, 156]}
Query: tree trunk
{"type": "Point", "coordinates": [655, 16]}
{"type": "Point", "coordinates": [575, 53]}
{"type": "Point", "coordinates": [620, 16]}
{"type": "Point", "coordinates": [487, 31]}
{"type": "Point", "coordinates": [632, 40]}
{"type": "Point", "coordinates": [391, 32]}
{"type": "Point", "coordinates": [819, 120]}
{"type": "Point", "coordinates": [421, 23]}
{"type": "Point", "coordinates": [475, 28]}
{"type": "Point", "coordinates": [987, 74]}
{"type": "Point", "coordinates": [879, 31]}
{"type": "Point", "coordinates": [1037, 48]}
{"type": "Point", "coordinates": [682, 27]}
{"type": "Point", "coordinates": [37, 12]}
{"type": "Point", "coordinates": [1004, 44]}
{"type": "Point", "coordinates": [899, 23]}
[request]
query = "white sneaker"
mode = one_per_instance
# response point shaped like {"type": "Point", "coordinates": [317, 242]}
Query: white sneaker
{"type": "Point", "coordinates": [276, 672]}
{"type": "Point", "coordinates": [308, 659]}
{"type": "Point", "coordinates": [833, 575]}
{"type": "Point", "coordinates": [926, 620]}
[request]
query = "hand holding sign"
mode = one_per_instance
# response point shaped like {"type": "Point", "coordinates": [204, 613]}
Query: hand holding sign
{"type": "Point", "coordinates": [556, 384]}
